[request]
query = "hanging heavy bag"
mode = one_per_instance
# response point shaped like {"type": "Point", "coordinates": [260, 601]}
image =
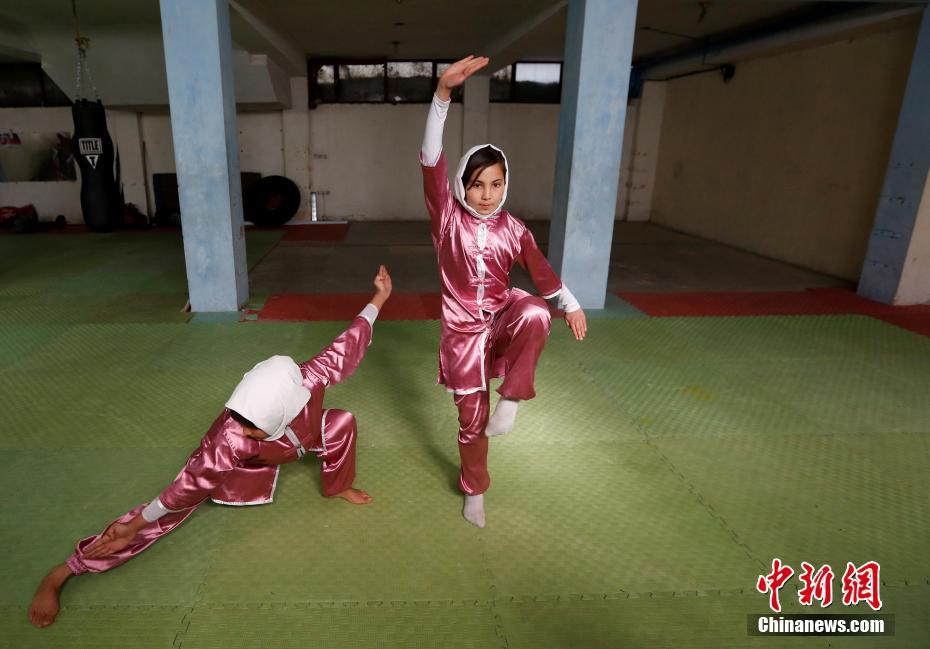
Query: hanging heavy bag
{"type": "Point", "coordinates": [100, 201]}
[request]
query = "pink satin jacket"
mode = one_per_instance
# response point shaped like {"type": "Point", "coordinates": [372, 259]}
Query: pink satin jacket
{"type": "Point", "coordinates": [475, 256]}
{"type": "Point", "coordinates": [233, 469]}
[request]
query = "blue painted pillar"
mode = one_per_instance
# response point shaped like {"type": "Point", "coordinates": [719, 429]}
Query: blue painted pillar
{"type": "Point", "coordinates": [888, 255]}
{"type": "Point", "coordinates": [595, 79]}
{"type": "Point", "coordinates": [198, 58]}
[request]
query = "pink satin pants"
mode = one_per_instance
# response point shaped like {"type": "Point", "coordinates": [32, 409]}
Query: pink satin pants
{"type": "Point", "coordinates": [518, 335]}
{"type": "Point", "coordinates": [337, 473]}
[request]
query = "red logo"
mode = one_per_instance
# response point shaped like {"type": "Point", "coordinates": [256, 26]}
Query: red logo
{"type": "Point", "coordinates": [817, 586]}
{"type": "Point", "coordinates": [860, 584]}
{"type": "Point", "coordinates": [773, 582]}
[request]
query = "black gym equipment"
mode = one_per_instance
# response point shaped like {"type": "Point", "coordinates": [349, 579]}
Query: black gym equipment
{"type": "Point", "coordinates": [100, 199]}
{"type": "Point", "coordinates": [101, 203]}
{"type": "Point", "coordinates": [271, 201]}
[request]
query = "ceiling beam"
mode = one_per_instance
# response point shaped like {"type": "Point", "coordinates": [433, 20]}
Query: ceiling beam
{"type": "Point", "coordinates": [512, 46]}
{"type": "Point", "coordinates": [255, 35]}
{"type": "Point", "coordinates": [15, 42]}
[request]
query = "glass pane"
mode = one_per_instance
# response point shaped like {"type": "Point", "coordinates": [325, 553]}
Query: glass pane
{"type": "Point", "coordinates": [361, 82]}
{"type": "Point", "coordinates": [410, 81]}
{"type": "Point", "coordinates": [325, 84]}
{"type": "Point", "coordinates": [457, 92]}
{"type": "Point", "coordinates": [537, 82]}
{"type": "Point", "coordinates": [500, 84]}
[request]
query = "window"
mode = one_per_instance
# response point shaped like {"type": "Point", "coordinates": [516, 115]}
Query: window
{"type": "Point", "coordinates": [501, 82]}
{"type": "Point", "coordinates": [530, 83]}
{"type": "Point", "coordinates": [538, 82]}
{"type": "Point", "coordinates": [322, 84]}
{"type": "Point", "coordinates": [410, 81]}
{"type": "Point", "coordinates": [414, 82]}
{"type": "Point", "coordinates": [360, 82]}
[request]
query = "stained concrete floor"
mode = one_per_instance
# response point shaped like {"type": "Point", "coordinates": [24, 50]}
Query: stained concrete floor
{"type": "Point", "coordinates": [645, 257]}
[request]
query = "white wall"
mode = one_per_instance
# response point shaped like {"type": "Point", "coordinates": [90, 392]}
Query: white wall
{"type": "Point", "coordinates": [362, 157]}
{"type": "Point", "coordinates": [788, 159]}
{"type": "Point", "coordinates": [50, 198]}
{"type": "Point", "coordinates": [527, 134]}
{"type": "Point", "coordinates": [260, 145]}
{"type": "Point", "coordinates": [365, 157]}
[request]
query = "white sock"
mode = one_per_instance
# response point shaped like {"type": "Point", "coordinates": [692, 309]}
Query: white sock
{"type": "Point", "coordinates": [474, 510]}
{"type": "Point", "coordinates": [505, 413]}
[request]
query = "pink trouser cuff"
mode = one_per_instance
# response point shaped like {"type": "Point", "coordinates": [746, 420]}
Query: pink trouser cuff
{"type": "Point", "coordinates": [75, 565]}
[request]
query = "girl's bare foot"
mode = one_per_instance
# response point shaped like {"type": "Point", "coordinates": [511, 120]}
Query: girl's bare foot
{"type": "Point", "coordinates": [45, 604]}
{"type": "Point", "coordinates": [354, 496]}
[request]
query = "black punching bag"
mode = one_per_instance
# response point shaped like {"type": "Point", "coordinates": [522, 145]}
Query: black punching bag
{"type": "Point", "coordinates": [100, 200]}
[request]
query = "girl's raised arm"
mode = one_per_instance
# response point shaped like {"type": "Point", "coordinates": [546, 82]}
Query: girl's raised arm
{"type": "Point", "coordinates": [435, 172]}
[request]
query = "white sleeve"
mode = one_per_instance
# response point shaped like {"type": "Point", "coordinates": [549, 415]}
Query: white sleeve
{"type": "Point", "coordinates": [566, 301]}
{"type": "Point", "coordinates": [155, 510]}
{"type": "Point", "coordinates": [432, 136]}
{"type": "Point", "coordinates": [370, 313]}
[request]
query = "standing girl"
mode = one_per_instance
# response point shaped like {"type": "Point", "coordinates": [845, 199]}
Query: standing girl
{"type": "Point", "coordinates": [489, 329]}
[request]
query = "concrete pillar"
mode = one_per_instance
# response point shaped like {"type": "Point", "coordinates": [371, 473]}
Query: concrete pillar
{"type": "Point", "coordinates": [915, 278]}
{"type": "Point", "coordinates": [198, 56]}
{"type": "Point", "coordinates": [897, 264]}
{"type": "Point", "coordinates": [475, 115]}
{"type": "Point", "coordinates": [296, 127]}
{"type": "Point", "coordinates": [595, 80]}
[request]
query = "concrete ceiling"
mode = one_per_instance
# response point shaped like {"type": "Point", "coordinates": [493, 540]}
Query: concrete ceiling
{"type": "Point", "coordinates": [420, 28]}
{"type": "Point", "coordinates": [430, 29]}
{"type": "Point", "coordinates": [273, 38]}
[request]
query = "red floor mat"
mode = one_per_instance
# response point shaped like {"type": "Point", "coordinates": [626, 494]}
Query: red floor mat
{"type": "Point", "coordinates": [742, 303]}
{"type": "Point", "coordinates": [316, 232]}
{"type": "Point", "coordinates": [345, 306]}
{"type": "Point", "coordinates": [821, 301]}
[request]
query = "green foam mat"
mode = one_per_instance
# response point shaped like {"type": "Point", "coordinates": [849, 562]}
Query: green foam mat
{"type": "Point", "coordinates": [861, 496]}
{"type": "Point", "coordinates": [99, 627]}
{"type": "Point", "coordinates": [118, 277]}
{"type": "Point", "coordinates": [664, 464]}
{"type": "Point", "coordinates": [374, 624]}
{"type": "Point", "coordinates": [615, 307]}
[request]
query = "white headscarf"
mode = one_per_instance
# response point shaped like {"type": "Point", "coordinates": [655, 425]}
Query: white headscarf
{"type": "Point", "coordinates": [459, 186]}
{"type": "Point", "coordinates": [270, 395]}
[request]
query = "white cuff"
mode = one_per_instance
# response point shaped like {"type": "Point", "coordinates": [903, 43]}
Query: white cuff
{"type": "Point", "coordinates": [567, 301]}
{"type": "Point", "coordinates": [432, 136]}
{"type": "Point", "coordinates": [154, 510]}
{"type": "Point", "coordinates": [370, 313]}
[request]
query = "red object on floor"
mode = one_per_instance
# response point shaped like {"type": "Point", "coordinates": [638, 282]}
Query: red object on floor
{"type": "Point", "coordinates": [818, 301]}
{"type": "Point", "coordinates": [815, 301]}
{"type": "Point", "coordinates": [727, 303]}
{"type": "Point", "coordinates": [345, 306]}
{"type": "Point", "coordinates": [316, 232]}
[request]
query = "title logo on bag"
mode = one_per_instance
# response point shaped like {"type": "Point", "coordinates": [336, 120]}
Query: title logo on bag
{"type": "Point", "coordinates": [91, 148]}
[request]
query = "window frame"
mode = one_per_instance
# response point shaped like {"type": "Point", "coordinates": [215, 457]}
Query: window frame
{"type": "Point", "coordinates": [513, 85]}
{"type": "Point", "coordinates": [314, 65]}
